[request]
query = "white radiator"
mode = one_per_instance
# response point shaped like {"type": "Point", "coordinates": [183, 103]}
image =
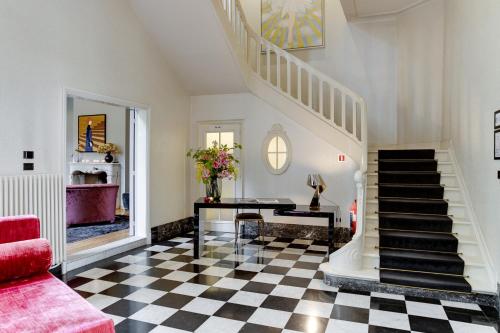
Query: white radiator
{"type": "Point", "coordinates": [40, 195]}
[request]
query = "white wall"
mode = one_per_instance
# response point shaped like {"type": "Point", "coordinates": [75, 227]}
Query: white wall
{"type": "Point", "coordinates": [471, 95]}
{"type": "Point", "coordinates": [420, 73]}
{"type": "Point", "coordinates": [349, 56]}
{"type": "Point", "coordinates": [310, 154]}
{"type": "Point", "coordinates": [92, 45]}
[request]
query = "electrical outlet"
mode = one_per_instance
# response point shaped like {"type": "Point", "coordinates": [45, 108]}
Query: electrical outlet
{"type": "Point", "coordinates": [28, 154]}
{"type": "Point", "coordinates": [28, 166]}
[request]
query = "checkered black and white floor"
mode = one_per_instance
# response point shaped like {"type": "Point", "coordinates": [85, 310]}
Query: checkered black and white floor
{"type": "Point", "coordinates": [255, 287]}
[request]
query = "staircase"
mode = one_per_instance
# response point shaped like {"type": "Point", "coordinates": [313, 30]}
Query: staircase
{"type": "Point", "coordinates": [420, 231]}
{"type": "Point", "coordinates": [416, 245]}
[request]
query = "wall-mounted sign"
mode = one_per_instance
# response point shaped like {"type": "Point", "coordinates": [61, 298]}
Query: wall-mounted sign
{"type": "Point", "coordinates": [497, 145]}
{"type": "Point", "coordinates": [341, 158]}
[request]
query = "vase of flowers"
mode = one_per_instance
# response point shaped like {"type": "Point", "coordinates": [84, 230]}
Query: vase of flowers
{"type": "Point", "coordinates": [108, 149]}
{"type": "Point", "coordinates": [213, 165]}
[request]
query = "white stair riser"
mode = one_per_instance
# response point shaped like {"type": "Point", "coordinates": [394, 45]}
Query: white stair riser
{"type": "Point", "coordinates": [371, 261]}
{"type": "Point", "coordinates": [372, 180]}
{"type": "Point", "coordinates": [450, 195]}
{"type": "Point", "coordinates": [475, 271]}
{"type": "Point", "coordinates": [449, 180]}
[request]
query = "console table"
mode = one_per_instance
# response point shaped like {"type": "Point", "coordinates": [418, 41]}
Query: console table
{"type": "Point", "coordinates": [328, 212]}
{"type": "Point", "coordinates": [232, 203]}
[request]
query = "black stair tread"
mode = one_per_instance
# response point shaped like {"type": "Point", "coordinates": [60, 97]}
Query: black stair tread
{"type": "Point", "coordinates": [414, 200]}
{"type": "Point", "coordinates": [425, 280]}
{"type": "Point", "coordinates": [436, 236]}
{"type": "Point", "coordinates": [410, 172]}
{"type": "Point", "coordinates": [420, 217]}
{"type": "Point", "coordinates": [406, 154]}
{"type": "Point", "coordinates": [421, 255]}
{"type": "Point", "coordinates": [430, 186]}
{"type": "Point", "coordinates": [407, 160]}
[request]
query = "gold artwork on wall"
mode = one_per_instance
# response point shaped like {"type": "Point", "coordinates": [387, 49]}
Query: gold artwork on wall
{"type": "Point", "coordinates": [91, 132]}
{"type": "Point", "coordinates": [293, 24]}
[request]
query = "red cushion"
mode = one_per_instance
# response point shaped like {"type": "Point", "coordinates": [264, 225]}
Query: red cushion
{"type": "Point", "coordinates": [18, 228]}
{"type": "Point", "coordinates": [24, 258]}
{"type": "Point", "coordinates": [44, 304]}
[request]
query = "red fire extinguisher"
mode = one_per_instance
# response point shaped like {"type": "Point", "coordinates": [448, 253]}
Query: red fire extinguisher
{"type": "Point", "coordinates": [353, 217]}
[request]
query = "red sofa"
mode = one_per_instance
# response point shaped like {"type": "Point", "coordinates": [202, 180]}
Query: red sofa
{"type": "Point", "coordinates": [32, 299]}
{"type": "Point", "coordinates": [90, 203]}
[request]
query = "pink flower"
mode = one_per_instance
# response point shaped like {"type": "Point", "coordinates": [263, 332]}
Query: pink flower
{"type": "Point", "coordinates": [205, 173]}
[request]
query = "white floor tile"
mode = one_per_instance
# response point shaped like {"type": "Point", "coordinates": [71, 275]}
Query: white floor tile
{"type": "Point", "coordinates": [230, 283]}
{"type": "Point", "coordinates": [145, 295]}
{"type": "Point", "coordinates": [425, 310]}
{"type": "Point", "coordinates": [320, 285]}
{"type": "Point", "coordinates": [180, 240]}
{"type": "Point", "coordinates": [203, 305]}
{"type": "Point", "coordinates": [268, 278]}
{"type": "Point", "coordinates": [102, 301]}
{"type": "Point", "coordinates": [269, 317]}
{"type": "Point", "coordinates": [288, 291]}
{"type": "Point", "coordinates": [95, 286]}
{"type": "Point", "coordinates": [282, 263]}
{"type": "Point", "coordinates": [116, 319]}
{"type": "Point", "coordinates": [158, 248]}
{"type": "Point", "coordinates": [237, 257]}
{"type": "Point", "coordinates": [316, 309]}
{"type": "Point", "coordinates": [139, 280]}
{"type": "Point", "coordinates": [251, 267]}
{"type": "Point", "coordinates": [302, 241]}
{"type": "Point", "coordinates": [389, 296]}
{"type": "Point", "coordinates": [278, 244]}
{"type": "Point", "coordinates": [358, 301]}
{"type": "Point", "coordinates": [129, 259]}
{"type": "Point", "coordinates": [190, 289]}
{"type": "Point", "coordinates": [153, 314]}
{"type": "Point", "coordinates": [461, 327]}
{"type": "Point", "coordinates": [318, 248]}
{"type": "Point", "coordinates": [95, 273]}
{"type": "Point", "coordinates": [218, 325]}
{"type": "Point", "coordinates": [173, 265]}
{"type": "Point", "coordinates": [205, 261]}
{"type": "Point", "coordinates": [164, 256]}
{"type": "Point", "coordinates": [215, 243]}
{"type": "Point", "coordinates": [165, 329]}
{"type": "Point", "coordinates": [389, 319]}
{"type": "Point", "coordinates": [180, 276]}
{"type": "Point", "coordinates": [342, 326]}
{"type": "Point", "coordinates": [302, 273]}
{"type": "Point", "coordinates": [134, 269]}
{"type": "Point", "coordinates": [314, 259]}
{"type": "Point", "coordinates": [292, 250]}
{"type": "Point", "coordinates": [268, 254]}
{"type": "Point", "coordinates": [248, 298]}
{"type": "Point", "coordinates": [217, 271]}
{"type": "Point", "coordinates": [185, 246]}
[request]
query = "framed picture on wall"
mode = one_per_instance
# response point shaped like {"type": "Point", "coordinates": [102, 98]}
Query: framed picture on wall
{"type": "Point", "coordinates": [292, 24]}
{"type": "Point", "coordinates": [497, 119]}
{"type": "Point", "coordinates": [91, 132]}
{"type": "Point", "coordinates": [497, 145]}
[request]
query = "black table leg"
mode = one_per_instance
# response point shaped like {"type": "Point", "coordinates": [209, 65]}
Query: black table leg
{"type": "Point", "coordinates": [197, 250]}
{"type": "Point", "coordinates": [331, 231]}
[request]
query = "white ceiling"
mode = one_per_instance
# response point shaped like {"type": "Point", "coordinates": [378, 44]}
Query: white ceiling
{"type": "Point", "coordinates": [368, 8]}
{"type": "Point", "coordinates": [192, 40]}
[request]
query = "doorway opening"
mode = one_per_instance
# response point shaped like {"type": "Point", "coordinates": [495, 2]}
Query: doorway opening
{"type": "Point", "coordinates": [221, 133]}
{"type": "Point", "coordinates": [106, 155]}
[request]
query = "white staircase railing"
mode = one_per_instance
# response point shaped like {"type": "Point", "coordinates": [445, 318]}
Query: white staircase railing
{"type": "Point", "coordinates": [318, 94]}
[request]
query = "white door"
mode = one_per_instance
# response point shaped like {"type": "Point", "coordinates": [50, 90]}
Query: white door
{"type": "Point", "coordinates": [222, 134]}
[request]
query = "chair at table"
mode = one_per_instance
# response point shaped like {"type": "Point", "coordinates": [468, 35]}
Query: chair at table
{"type": "Point", "coordinates": [257, 217]}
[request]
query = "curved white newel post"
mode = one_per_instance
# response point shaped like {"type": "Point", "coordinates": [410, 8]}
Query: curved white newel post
{"type": "Point", "coordinates": [255, 56]}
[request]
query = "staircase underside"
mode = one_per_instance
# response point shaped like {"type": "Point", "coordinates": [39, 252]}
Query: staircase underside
{"type": "Point", "coordinates": [416, 244]}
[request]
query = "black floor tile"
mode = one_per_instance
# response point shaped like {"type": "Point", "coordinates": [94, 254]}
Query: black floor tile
{"type": "Point", "coordinates": [177, 250]}
{"type": "Point", "coordinates": [348, 313]}
{"type": "Point", "coordinates": [207, 280]}
{"type": "Point", "coordinates": [152, 262]}
{"type": "Point", "coordinates": [185, 320]}
{"type": "Point", "coordinates": [422, 300]}
{"type": "Point", "coordinates": [309, 324]}
{"type": "Point", "coordinates": [235, 311]}
{"type": "Point", "coordinates": [242, 275]}
{"type": "Point", "coordinates": [295, 281]}
{"type": "Point", "coordinates": [220, 294]}
{"type": "Point", "coordinates": [132, 326]}
{"type": "Point", "coordinates": [298, 246]}
{"type": "Point", "coordinates": [164, 285]}
{"type": "Point", "coordinates": [288, 256]}
{"type": "Point", "coordinates": [355, 292]}
{"type": "Point", "coordinates": [77, 281]}
{"type": "Point", "coordinates": [114, 266]}
{"type": "Point", "coordinates": [193, 268]}
{"type": "Point", "coordinates": [172, 300]}
{"type": "Point", "coordinates": [259, 287]}
{"type": "Point", "coordinates": [119, 290]}
{"type": "Point", "coordinates": [386, 304]}
{"type": "Point", "coordinates": [182, 258]}
{"type": "Point", "coordinates": [378, 329]}
{"type": "Point", "coordinates": [259, 260]}
{"type": "Point", "coordinates": [465, 315]}
{"type": "Point", "coordinates": [227, 264]}
{"type": "Point", "coordinates": [116, 277]}
{"type": "Point", "coordinates": [275, 270]}
{"type": "Point", "coordinates": [429, 325]}
{"type": "Point", "coordinates": [306, 265]}
{"type": "Point", "coordinates": [320, 296]}
{"type": "Point", "coordinates": [280, 303]}
{"type": "Point", "coordinates": [84, 294]}
{"type": "Point", "coordinates": [124, 308]}
{"type": "Point", "coordinates": [254, 328]}
{"type": "Point", "coordinates": [156, 272]}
